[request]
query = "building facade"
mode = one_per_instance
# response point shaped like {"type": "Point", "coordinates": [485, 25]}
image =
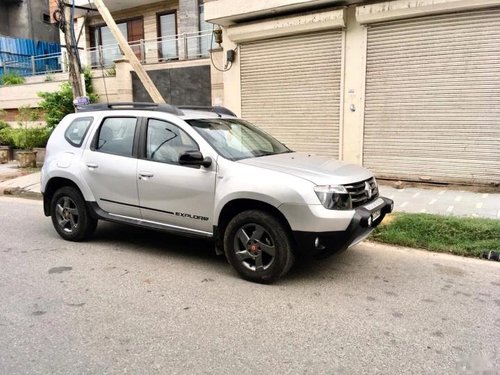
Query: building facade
{"type": "Point", "coordinates": [409, 89]}
{"type": "Point", "coordinates": [27, 19]}
{"type": "Point", "coordinates": [170, 38]}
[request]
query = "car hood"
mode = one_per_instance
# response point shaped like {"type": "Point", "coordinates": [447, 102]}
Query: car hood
{"type": "Point", "coordinates": [320, 170]}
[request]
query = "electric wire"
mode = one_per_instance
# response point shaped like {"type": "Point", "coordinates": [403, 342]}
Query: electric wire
{"type": "Point", "coordinates": [227, 67]}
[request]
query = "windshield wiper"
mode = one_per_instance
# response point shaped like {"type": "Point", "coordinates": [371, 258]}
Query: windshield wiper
{"type": "Point", "coordinates": [267, 153]}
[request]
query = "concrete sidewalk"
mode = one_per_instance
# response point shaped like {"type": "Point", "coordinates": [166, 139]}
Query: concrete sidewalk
{"type": "Point", "coordinates": [13, 181]}
{"type": "Point", "coordinates": [439, 201]}
{"type": "Point", "coordinates": [442, 201]}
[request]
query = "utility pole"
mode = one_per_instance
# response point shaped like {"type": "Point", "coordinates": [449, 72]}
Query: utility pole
{"type": "Point", "coordinates": [129, 54]}
{"type": "Point", "coordinates": [74, 68]}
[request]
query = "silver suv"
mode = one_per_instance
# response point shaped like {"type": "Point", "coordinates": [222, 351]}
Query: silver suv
{"type": "Point", "coordinates": [203, 172]}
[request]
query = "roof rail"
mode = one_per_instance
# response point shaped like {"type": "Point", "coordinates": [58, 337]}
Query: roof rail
{"type": "Point", "coordinates": [132, 105]}
{"type": "Point", "coordinates": [216, 109]}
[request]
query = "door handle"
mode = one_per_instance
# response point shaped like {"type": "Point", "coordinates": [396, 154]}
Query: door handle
{"type": "Point", "coordinates": [146, 174]}
{"type": "Point", "coordinates": [92, 166]}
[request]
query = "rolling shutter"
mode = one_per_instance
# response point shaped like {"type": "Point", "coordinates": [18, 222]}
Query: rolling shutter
{"type": "Point", "coordinates": [290, 87]}
{"type": "Point", "coordinates": [433, 98]}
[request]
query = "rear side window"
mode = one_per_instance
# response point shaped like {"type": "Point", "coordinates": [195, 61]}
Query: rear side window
{"type": "Point", "coordinates": [77, 130]}
{"type": "Point", "coordinates": [116, 136]}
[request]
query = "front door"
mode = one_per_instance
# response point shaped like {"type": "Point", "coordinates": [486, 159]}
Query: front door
{"type": "Point", "coordinates": [110, 167]}
{"type": "Point", "coordinates": [169, 193]}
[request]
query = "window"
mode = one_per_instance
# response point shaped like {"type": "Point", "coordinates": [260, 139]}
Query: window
{"type": "Point", "coordinates": [166, 142]}
{"type": "Point", "coordinates": [46, 18]}
{"type": "Point", "coordinates": [77, 130]}
{"type": "Point", "coordinates": [167, 30]}
{"type": "Point", "coordinates": [204, 27]}
{"type": "Point", "coordinates": [116, 136]}
{"type": "Point", "coordinates": [132, 30]}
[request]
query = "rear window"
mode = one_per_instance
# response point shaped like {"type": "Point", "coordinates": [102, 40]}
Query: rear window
{"type": "Point", "coordinates": [77, 130]}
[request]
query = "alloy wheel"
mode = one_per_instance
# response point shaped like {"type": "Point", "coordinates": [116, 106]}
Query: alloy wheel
{"type": "Point", "coordinates": [254, 247]}
{"type": "Point", "coordinates": [67, 214]}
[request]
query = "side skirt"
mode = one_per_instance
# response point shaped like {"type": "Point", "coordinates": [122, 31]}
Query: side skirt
{"type": "Point", "coordinates": [99, 213]}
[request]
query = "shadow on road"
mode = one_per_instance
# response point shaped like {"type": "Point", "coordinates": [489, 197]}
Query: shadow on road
{"type": "Point", "coordinates": [134, 239]}
{"type": "Point", "coordinates": [155, 242]}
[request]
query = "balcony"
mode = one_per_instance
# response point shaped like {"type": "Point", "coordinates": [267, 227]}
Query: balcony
{"type": "Point", "coordinates": [115, 5]}
{"type": "Point", "coordinates": [187, 46]}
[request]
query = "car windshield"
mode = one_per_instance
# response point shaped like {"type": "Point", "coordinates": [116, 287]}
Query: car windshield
{"type": "Point", "coordinates": [236, 139]}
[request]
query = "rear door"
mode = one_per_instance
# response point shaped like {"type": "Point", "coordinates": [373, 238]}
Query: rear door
{"type": "Point", "coordinates": [171, 194]}
{"type": "Point", "coordinates": [110, 166]}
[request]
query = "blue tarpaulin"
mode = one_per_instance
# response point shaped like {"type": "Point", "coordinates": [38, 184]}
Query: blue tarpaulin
{"type": "Point", "coordinates": [16, 55]}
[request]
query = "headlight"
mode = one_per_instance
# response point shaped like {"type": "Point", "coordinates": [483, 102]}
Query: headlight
{"type": "Point", "coordinates": [333, 197]}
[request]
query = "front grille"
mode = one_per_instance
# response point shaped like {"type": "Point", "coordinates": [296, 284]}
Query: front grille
{"type": "Point", "coordinates": [359, 193]}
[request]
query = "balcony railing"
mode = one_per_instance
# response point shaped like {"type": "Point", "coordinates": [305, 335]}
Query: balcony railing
{"type": "Point", "coordinates": [32, 65]}
{"type": "Point", "coordinates": [187, 46]}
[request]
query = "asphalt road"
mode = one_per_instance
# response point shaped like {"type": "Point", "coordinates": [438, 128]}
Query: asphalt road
{"type": "Point", "coordinates": [140, 302]}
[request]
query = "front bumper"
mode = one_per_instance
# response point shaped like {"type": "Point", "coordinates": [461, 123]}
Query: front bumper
{"type": "Point", "coordinates": [365, 220]}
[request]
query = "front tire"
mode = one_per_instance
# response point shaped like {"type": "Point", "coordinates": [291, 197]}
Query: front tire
{"type": "Point", "coordinates": [70, 215]}
{"type": "Point", "coordinates": [258, 246]}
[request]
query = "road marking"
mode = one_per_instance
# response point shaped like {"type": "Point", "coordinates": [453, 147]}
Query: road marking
{"type": "Point", "coordinates": [415, 195]}
{"type": "Point", "coordinates": [403, 204]}
{"type": "Point", "coordinates": [441, 192]}
{"type": "Point", "coordinates": [449, 209]}
{"type": "Point", "coordinates": [433, 201]}
{"type": "Point", "coordinates": [458, 198]}
{"type": "Point", "coordinates": [485, 195]}
{"type": "Point", "coordinates": [479, 205]}
{"type": "Point", "coordinates": [423, 211]}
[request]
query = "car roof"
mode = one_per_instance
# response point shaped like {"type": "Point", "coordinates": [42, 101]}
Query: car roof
{"type": "Point", "coordinates": [184, 112]}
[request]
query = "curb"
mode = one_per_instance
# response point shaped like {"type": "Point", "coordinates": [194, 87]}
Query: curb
{"type": "Point", "coordinates": [20, 193]}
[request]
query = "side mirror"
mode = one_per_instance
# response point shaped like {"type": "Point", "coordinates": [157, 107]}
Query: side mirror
{"type": "Point", "coordinates": [194, 157]}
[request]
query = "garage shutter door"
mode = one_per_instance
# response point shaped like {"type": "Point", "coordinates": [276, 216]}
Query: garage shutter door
{"type": "Point", "coordinates": [433, 98]}
{"type": "Point", "coordinates": [290, 87]}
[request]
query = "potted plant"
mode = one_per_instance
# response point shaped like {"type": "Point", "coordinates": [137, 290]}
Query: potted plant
{"type": "Point", "coordinates": [25, 139]}
{"type": "Point", "coordinates": [5, 139]}
{"type": "Point", "coordinates": [41, 136]}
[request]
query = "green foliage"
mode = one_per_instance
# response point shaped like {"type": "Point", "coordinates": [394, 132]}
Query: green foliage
{"type": "Point", "coordinates": [87, 74]}
{"type": "Point", "coordinates": [3, 125]}
{"type": "Point", "coordinates": [12, 78]}
{"type": "Point", "coordinates": [457, 235]}
{"type": "Point", "coordinates": [6, 138]}
{"type": "Point", "coordinates": [58, 104]}
{"type": "Point", "coordinates": [25, 139]}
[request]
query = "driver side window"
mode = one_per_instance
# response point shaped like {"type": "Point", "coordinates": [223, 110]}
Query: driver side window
{"type": "Point", "coordinates": [166, 142]}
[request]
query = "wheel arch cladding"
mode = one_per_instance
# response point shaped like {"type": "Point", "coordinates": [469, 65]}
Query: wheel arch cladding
{"type": "Point", "coordinates": [234, 207]}
{"type": "Point", "coordinates": [54, 184]}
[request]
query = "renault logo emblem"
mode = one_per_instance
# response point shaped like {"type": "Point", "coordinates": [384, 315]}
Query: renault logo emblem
{"type": "Point", "coordinates": [368, 190]}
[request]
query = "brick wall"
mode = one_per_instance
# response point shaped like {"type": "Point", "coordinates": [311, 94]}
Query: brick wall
{"type": "Point", "coordinates": [10, 114]}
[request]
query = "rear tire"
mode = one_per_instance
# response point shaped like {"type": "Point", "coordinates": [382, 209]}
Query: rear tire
{"type": "Point", "coordinates": [258, 246]}
{"type": "Point", "coordinates": [70, 215]}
